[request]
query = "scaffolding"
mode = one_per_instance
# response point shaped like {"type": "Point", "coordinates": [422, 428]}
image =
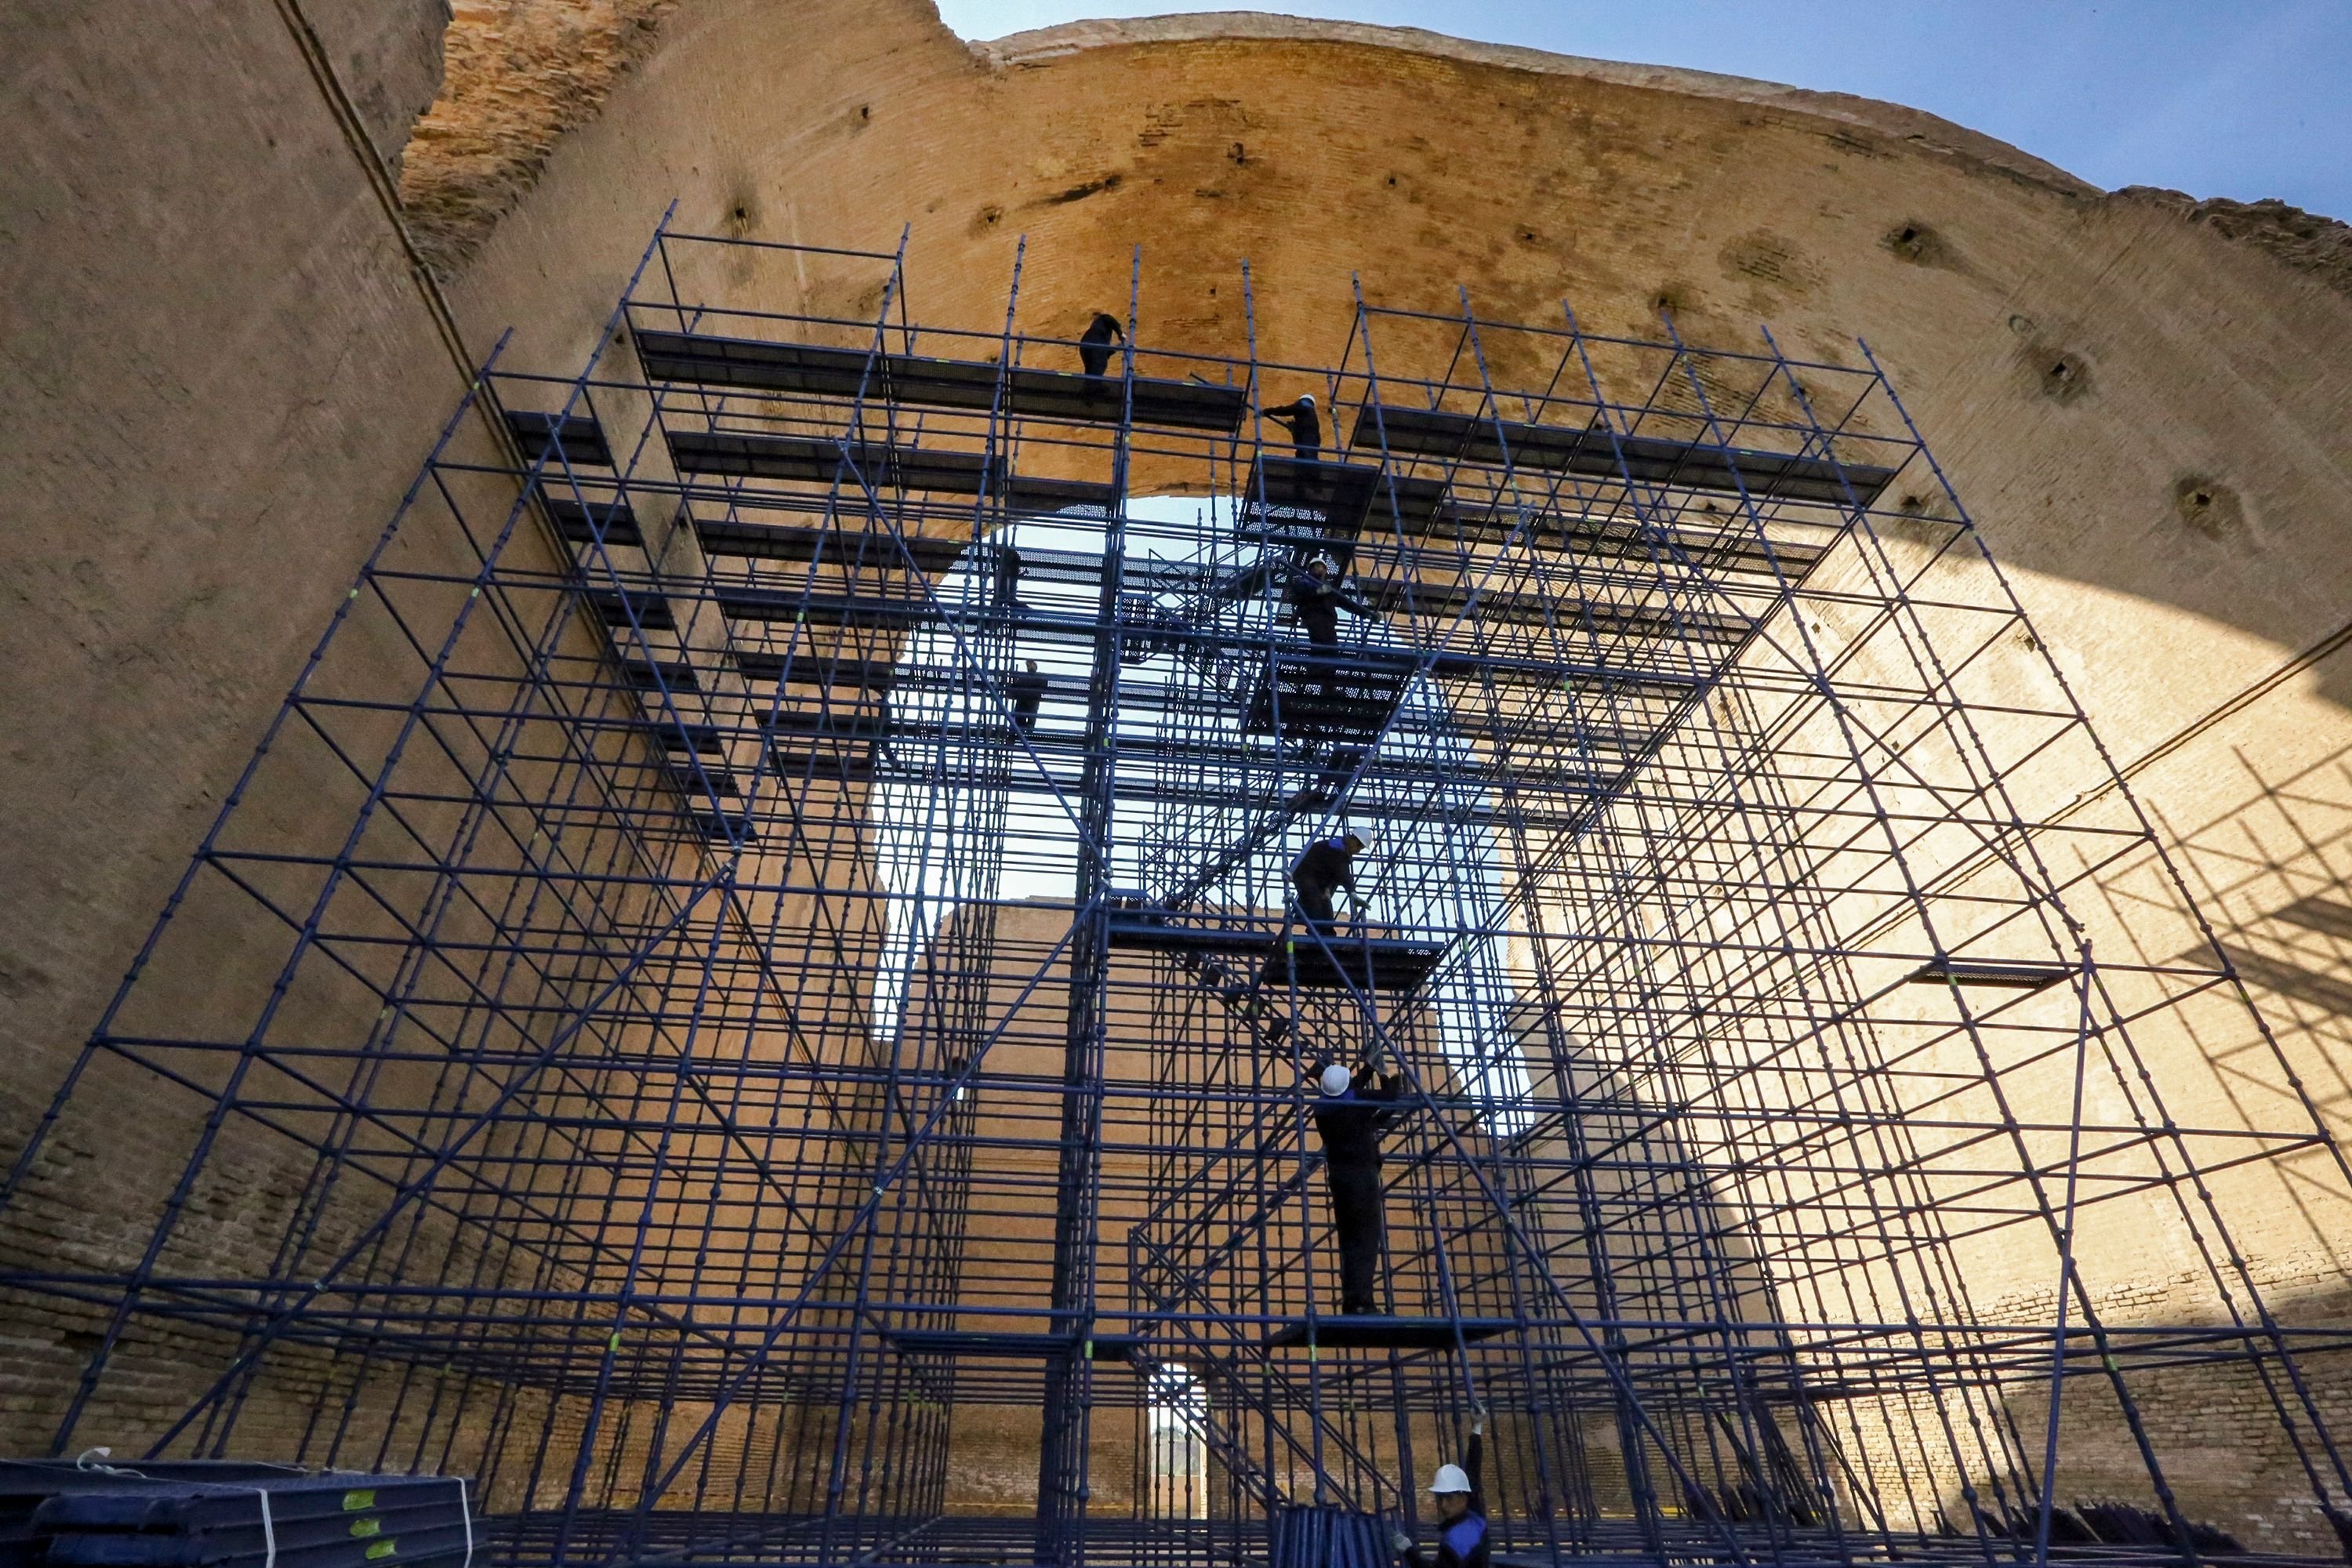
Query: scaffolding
{"type": "Point", "coordinates": [755, 969]}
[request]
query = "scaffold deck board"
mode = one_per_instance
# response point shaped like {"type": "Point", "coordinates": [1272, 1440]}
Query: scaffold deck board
{"type": "Point", "coordinates": [578, 439]}
{"type": "Point", "coordinates": [1305, 501]}
{"type": "Point", "coordinates": [579, 521]}
{"type": "Point", "coordinates": [1994, 975]}
{"type": "Point", "coordinates": [674, 674]}
{"type": "Point", "coordinates": [1362, 962]}
{"type": "Point", "coordinates": [1727, 549]}
{"type": "Point", "coordinates": [1372, 1332]}
{"type": "Point", "coordinates": [846, 549]}
{"type": "Point", "coordinates": [897, 611]}
{"type": "Point", "coordinates": [818, 369]}
{"type": "Point", "coordinates": [1451, 436]}
{"type": "Point", "coordinates": [815, 670]}
{"type": "Point", "coordinates": [1157, 931]}
{"type": "Point", "coordinates": [982, 1342]}
{"type": "Point", "coordinates": [1501, 607]}
{"type": "Point", "coordinates": [873, 467]}
{"type": "Point", "coordinates": [619, 610]}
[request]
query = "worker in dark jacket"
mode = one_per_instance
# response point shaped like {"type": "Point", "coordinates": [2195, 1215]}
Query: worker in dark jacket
{"type": "Point", "coordinates": [1351, 1112]}
{"type": "Point", "coordinates": [1306, 425]}
{"type": "Point", "coordinates": [1462, 1537]}
{"type": "Point", "coordinates": [1316, 596]}
{"type": "Point", "coordinates": [1095, 344]}
{"type": "Point", "coordinates": [1322, 869]}
{"type": "Point", "coordinates": [1008, 576]}
{"type": "Point", "coordinates": [1027, 690]}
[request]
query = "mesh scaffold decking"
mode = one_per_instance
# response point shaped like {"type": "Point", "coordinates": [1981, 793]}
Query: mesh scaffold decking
{"type": "Point", "coordinates": [680, 1023]}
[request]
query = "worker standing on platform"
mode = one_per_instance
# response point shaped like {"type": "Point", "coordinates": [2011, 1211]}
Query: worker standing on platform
{"type": "Point", "coordinates": [1351, 1112]}
{"type": "Point", "coordinates": [1008, 576]}
{"type": "Point", "coordinates": [1027, 690]}
{"type": "Point", "coordinates": [1306, 425]}
{"type": "Point", "coordinates": [1316, 598]}
{"type": "Point", "coordinates": [1094, 345]}
{"type": "Point", "coordinates": [1322, 869]}
{"type": "Point", "coordinates": [1462, 1533]}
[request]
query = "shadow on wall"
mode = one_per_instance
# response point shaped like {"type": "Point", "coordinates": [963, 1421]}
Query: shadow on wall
{"type": "Point", "coordinates": [2273, 875]}
{"type": "Point", "coordinates": [2215, 1430]}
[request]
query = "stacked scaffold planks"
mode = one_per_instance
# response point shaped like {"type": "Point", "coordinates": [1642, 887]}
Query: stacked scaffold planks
{"type": "Point", "coordinates": [63, 1514]}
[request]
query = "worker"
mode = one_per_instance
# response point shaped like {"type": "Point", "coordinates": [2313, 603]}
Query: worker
{"type": "Point", "coordinates": [1008, 576]}
{"type": "Point", "coordinates": [1462, 1533]}
{"type": "Point", "coordinates": [1322, 869]}
{"type": "Point", "coordinates": [1305, 427]}
{"type": "Point", "coordinates": [1027, 689]}
{"type": "Point", "coordinates": [1316, 596]}
{"type": "Point", "coordinates": [1094, 345]}
{"type": "Point", "coordinates": [1351, 1112]}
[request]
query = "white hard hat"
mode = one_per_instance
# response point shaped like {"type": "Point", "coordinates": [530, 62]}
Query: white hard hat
{"type": "Point", "coordinates": [1308, 398]}
{"type": "Point", "coordinates": [1450, 1479]}
{"type": "Point", "coordinates": [1335, 1080]}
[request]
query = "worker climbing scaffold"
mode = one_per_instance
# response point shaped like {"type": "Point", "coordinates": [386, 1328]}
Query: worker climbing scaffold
{"type": "Point", "coordinates": [1352, 1112]}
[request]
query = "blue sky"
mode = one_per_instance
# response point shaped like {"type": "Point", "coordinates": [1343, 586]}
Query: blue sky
{"type": "Point", "coordinates": [2232, 97]}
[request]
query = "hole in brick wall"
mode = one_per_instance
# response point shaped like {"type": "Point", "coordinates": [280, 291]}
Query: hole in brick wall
{"type": "Point", "coordinates": [1915, 242]}
{"type": "Point", "coordinates": [2208, 508]}
{"type": "Point", "coordinates": [2065, 376]}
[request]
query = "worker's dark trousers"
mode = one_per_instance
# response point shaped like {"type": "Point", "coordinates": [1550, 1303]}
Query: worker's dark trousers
{"type": "Point", "coordinates": [1321, 686]}
{"type": "Point", "coordinates": [1315, 903]}
{"type": "Point", "coordinates": [1356, 1214]}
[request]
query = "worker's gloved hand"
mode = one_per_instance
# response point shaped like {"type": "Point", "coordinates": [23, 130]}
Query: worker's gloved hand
{"type": "Point", "coordinates": [1478, 1421]}
{"type": "Point", "coordinates": [1400, 1543]}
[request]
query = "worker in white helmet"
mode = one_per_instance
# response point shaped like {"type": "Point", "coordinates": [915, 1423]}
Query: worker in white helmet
{"type": "Point", "coordinates": [1351, 1112]}
{"type": "Point", "coordinates": [1462, 1533]}
{"type": "Point", "coordinates": [1304, 424]}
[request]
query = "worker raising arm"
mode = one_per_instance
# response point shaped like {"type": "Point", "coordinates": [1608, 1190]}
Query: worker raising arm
{"type": "Point", "coordinates": [1462, 1533]}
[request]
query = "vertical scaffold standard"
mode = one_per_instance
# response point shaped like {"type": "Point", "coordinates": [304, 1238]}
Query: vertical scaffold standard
{"type": "Point", "coordinates": [749, 1000]}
